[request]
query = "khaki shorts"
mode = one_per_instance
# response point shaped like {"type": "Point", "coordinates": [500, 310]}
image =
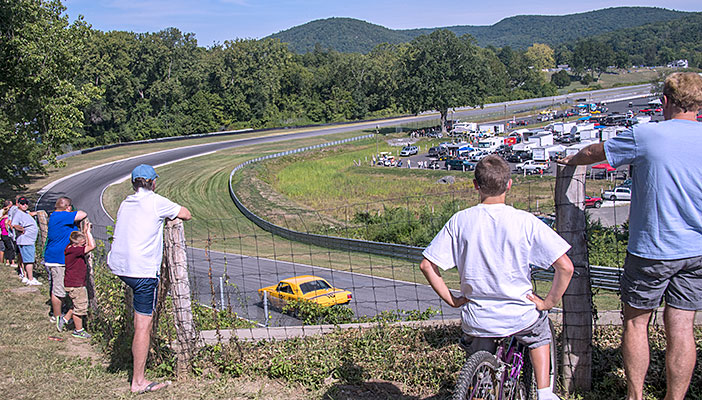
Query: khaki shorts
{"type": "Point", "coordinates": [79, 296]}
{"type": "Point", "coordinates": [58, 272]}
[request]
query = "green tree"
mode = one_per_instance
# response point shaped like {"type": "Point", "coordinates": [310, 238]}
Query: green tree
{"type": "Point", "coordinates": [561, 78]}
{"type": "Point", "coordinates": [540, 56]}
{"type": "Point", "coordinates": [40, 104]}
{"type": "Point", "coordinates": [441, 70]}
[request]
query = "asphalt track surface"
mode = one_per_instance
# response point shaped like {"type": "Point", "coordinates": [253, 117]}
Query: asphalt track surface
{"type": "Point", "coordinates": [372, 295]}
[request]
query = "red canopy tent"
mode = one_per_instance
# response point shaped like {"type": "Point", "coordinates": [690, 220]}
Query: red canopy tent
{"type": "Point", "coordinates": [605, 166]}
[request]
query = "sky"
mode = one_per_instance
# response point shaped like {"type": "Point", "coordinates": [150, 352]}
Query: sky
{"type": "Point", "coordinates": [214, 21]}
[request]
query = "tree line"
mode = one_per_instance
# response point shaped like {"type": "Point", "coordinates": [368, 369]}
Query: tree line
{"type": "Point", "coordinates": [64, 85]}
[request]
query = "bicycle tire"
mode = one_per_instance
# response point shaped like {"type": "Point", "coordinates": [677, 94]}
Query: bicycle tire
{"type": "Point", "coordinates": [478, 378]}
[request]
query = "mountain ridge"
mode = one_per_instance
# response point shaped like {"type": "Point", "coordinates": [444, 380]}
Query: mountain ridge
{"type": "Point", "coordinates": [349, 35]}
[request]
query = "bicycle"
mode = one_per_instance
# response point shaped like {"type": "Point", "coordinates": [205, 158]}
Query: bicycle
{"type": "Point", "coordinates": [505, 375]}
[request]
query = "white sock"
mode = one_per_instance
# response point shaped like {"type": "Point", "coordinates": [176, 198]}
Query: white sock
{"type": "Point", "coordinates": [546, 394]}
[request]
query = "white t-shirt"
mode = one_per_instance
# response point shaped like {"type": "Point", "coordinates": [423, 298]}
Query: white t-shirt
{"type": "Point", "coordinates": [493, 246]}
{"type": "Point", "coordinates": [137, 246]}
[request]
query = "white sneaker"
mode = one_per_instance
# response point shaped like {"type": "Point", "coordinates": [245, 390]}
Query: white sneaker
{"type": "Point", "coordinates": [25, 280]}
{"type": "Point", "coordinates": [34, 282]}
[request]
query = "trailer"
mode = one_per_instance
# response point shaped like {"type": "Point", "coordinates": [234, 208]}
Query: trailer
{"type": "Point", "coordinates": [464, 127]}
{"type": "Point", "coordinates": [541, 139]}
{"type": "Point", "coordinates": [491, 129]}
{"type": "Point", "coordinates": [490, 144]}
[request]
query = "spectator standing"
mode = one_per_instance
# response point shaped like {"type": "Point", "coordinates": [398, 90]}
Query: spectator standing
{"type": "Point", "coordinates": [80, 244]}
{"type": "Point", "coordinates": [136, 254]}
{"type": "Point", "coordinates": [62, 222]}
{"type": "Point", "coordinates": [11, 211]}
{"type": "Point", "coordinates": [664, 254]}
{"type": "Point", "coordinates": [27, 231]}
{"type": "Point", "coordinates": [8, 248]}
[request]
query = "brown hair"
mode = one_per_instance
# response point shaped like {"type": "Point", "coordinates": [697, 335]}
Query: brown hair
{"type": "Point", "coordinates": [492, 174]}
{"type": "Point", "coordinates": [684, 90]}
{"type": "Point", "coordinates": [63, 203]}
{"type": "Point", "coordinates": [142, 183]}
{"type": "Point", "coordinates": [76, 237]}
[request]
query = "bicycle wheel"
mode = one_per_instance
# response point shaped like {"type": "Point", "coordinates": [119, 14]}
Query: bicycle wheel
{"type": "Point", "coordinates": [478, 379]}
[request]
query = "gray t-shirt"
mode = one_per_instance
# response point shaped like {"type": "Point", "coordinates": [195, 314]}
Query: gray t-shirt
{"type": "Point", "coordinates": [493, 247]}
{"type": "Point", "coordinates": [29, 236]}
{"type": "Point", "coordinates": [665, 217]}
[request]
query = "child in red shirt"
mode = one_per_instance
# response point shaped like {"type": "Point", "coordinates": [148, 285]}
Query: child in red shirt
{"type": "Point", "coordinates": [75, 278]}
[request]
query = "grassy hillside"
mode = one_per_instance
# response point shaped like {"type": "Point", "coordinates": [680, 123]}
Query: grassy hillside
{"type": "Point", "coordinates": [351, 35]}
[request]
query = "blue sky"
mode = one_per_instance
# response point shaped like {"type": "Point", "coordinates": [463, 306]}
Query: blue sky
{"type": "Point", "coordinates": [219, 20]}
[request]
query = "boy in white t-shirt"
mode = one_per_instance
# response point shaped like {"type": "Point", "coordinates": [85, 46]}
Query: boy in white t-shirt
{"type": "Point", "coordinates": [494, 245]}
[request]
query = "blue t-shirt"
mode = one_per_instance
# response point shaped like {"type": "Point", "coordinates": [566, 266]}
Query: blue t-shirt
{"type": "Point", "coordinates": [665, 221]}
{"type": "Point", "coordinates": [61, 224]}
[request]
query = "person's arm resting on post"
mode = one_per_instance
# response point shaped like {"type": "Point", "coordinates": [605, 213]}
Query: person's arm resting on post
{"type": "Point", "coordinates": [591, 154]}
{"type": "Point", "coordinates": [561, 279]}
{"type": "Point", "coordinates": [431, 272]}
{"type": "Point", "coordinates": [184, 214]}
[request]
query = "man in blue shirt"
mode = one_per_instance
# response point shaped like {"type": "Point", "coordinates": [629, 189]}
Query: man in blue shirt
{"type": "Point", "coordinates": [664, 255]}
{"type": "Point", "coordinates": [62, 222]}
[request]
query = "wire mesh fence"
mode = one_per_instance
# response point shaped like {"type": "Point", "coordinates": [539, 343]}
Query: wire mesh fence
{"type": "Point", "coordinates": [229, 261]}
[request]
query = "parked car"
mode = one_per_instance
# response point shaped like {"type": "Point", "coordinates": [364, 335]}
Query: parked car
{"type": "Point", "coordinates": [626, 183]}
{"type": "Point", "coordinates": [519, 156]}
{"type": "Point", "coordinates": [478, 155]}
{"type": "Point", "coordinates": [437, 151]}
{"type": "Point", "coordinates": [409, 151]}
{"type": "Point", "coordinates": [595, 202]}
{"type": "Point", "coordinates": [305, 287]}
{"type": "Point", "coordinates": [532, 166]}
{"type": "Point", "coordinates": [618, 193]}
{"type": "Point", "coordinates": [459, 163]}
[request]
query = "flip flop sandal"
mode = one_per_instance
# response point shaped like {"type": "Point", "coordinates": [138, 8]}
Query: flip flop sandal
{"type": "Point", "coordinates": [150, 387]}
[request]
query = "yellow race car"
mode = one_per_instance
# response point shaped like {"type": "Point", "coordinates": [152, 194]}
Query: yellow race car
{"type": "Point", "coordinates": [305, 287]}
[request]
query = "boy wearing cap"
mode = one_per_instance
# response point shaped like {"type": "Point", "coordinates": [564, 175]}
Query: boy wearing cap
{"type": "Point", "coordinates": [26, 229]}
{"type": "Point", "coordinates": [135, 257]}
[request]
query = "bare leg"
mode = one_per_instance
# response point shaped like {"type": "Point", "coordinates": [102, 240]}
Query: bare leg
{"type": "Point", "coordinates": [68, 315]}
{"type": "Point", "coordinates": [56, 305]}
{"type": "Point", "coordinates": [635, 350]}
{"type": "Point", "coordinates": [29, 268]}
{"type": "Point", "coordinates": [140, 349]}
{"type": "Point", "coordinates": [541, 362]}
{"type": "Point", "coordinates": [78, 322]}
{"type": "Point", "coordinates": [680, 355]}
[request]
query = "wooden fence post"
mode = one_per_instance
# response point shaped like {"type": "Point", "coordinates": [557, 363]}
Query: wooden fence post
{"type": "Point", "coordinates": [175, 259]}
{"type": "Point", "coordinates": [577, 300]}
{"type": "Point", "coordinates": [43, 222]}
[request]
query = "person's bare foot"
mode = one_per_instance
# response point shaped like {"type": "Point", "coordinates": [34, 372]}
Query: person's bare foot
{"type": "Point", "coordinates": [151, 387]}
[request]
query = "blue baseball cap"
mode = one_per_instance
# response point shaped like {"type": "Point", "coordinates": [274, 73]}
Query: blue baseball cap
{"type": "Point", "coordinates": [144, 171]}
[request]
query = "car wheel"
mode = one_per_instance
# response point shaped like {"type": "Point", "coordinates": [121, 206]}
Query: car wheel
{"type": "Point", "coordinates": [598, 204]}
{"type": "Point", "coordinates": [612, 197]}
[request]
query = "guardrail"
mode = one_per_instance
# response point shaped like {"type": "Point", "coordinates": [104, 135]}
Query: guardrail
{"type": "Point", "coordinates": [411, 253]}
{"type": "Point", "coordinates": [601, 277]}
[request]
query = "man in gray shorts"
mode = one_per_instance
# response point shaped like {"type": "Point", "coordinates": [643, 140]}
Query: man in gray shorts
{"type": "Point", "coordinates": [664, 255]}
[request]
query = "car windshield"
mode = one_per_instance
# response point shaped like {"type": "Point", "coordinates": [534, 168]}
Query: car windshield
{"type": "Point", "coordinates": [314, 285]}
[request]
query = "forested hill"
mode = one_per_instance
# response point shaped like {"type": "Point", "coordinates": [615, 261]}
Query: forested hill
{"type": "Point", "coordinates": [658, 43]}
{"type": "Point", "coordinates": [349, 35]}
